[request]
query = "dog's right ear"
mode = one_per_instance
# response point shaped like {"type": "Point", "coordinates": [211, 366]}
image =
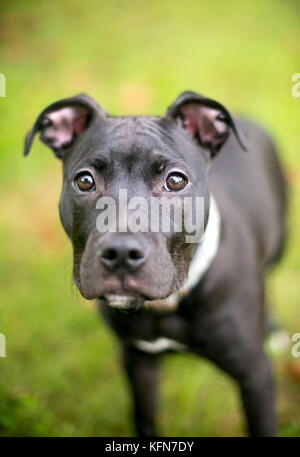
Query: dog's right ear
{"type": "Point", "coordinates": [63, 121]}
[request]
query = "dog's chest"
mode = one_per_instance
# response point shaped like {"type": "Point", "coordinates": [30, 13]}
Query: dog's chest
{"type": "Point", "coordinates": [159, 345]}
{"type": "Point", "coordinates": [168, 333]}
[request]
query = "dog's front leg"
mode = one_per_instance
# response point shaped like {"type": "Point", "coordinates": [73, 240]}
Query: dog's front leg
{"type": "Point", "coordinates": [254, 376]}
{"type": "Point", "coordinates": [142, 373]}
{"type": "Point", "coordinates": [233, 341]}
{"type": "Point", "coordinates": [257, 393]}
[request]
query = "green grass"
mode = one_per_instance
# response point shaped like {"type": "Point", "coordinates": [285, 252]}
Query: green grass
{"type": "Point", "coordinates": [61, 375]}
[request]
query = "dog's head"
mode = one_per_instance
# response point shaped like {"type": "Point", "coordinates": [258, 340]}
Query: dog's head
{"type": "Point", "coordinates": [108, 161]}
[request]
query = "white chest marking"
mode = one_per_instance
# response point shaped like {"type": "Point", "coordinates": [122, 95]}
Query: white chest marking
{"type": "Point", "coordinates": [159, 345]}
{"type": "Point", "coordinates": [208, 248]}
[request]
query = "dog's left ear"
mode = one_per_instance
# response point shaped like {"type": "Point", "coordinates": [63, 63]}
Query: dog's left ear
{"type": "Point", "coordinates": [206, 120]}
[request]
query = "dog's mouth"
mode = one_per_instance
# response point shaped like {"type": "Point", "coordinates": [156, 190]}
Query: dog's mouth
{"type": "Point", "coordinates": [123, 293]}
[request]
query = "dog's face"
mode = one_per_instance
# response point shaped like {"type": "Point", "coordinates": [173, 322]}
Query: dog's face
{"type": "Point", "coordinates": [153, 158]}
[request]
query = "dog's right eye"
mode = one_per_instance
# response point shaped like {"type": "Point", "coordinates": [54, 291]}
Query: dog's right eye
{"type": "Point", "coordinates": [84, 182]}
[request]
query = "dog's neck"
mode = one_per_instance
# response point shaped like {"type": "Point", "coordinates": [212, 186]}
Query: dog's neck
{"type": "Point", "coordinates": [201, 261]}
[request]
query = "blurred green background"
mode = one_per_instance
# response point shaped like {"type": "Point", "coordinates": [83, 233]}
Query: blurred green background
{"type": "Point", "coordinates": [61, 375]}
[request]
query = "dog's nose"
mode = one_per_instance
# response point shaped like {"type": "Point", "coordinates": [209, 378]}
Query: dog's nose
{"type": "Point", "coordinates": [122, 253]}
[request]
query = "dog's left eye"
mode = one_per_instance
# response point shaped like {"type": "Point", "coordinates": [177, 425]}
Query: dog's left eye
{"type": "Point", "coordinates": [85, 182]}
{"type": "Point", "coordinates": [175, 182]}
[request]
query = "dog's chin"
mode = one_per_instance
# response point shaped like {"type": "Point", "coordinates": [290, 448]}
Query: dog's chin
{"type": "Point", "coordinates": [124, 301]}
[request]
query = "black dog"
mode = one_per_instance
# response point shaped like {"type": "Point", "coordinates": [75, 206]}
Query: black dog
{"type": "Point", "coordinates": [220, 316]}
